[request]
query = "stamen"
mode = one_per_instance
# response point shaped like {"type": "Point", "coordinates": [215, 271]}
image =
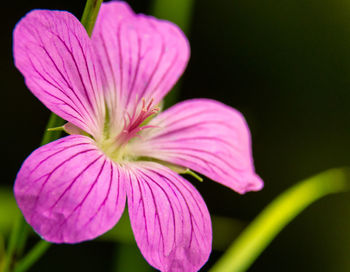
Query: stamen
{"type": "Point", "coordinates": [134, 123]}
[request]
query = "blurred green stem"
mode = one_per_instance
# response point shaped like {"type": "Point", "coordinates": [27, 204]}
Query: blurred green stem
{"type": "Point", "coordinates": [14, 243]}
{"type": "Point", "coordinates": [177, 11]}
{"type": "Point", "coordinates": [128, 258]}
{"type": "Point", "coordinates": [19, 233]}
{"type": "Point", "coordinates": [259, 234]}
{"type": "Point", "coordinates": [34, 254]}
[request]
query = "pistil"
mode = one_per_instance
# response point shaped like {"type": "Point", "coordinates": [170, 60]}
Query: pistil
{"type": "Point", "coordinates": [115, 147]}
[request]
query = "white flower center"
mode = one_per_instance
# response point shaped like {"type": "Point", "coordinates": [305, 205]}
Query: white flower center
{"type": "Point", "coordinates": [116, 147]}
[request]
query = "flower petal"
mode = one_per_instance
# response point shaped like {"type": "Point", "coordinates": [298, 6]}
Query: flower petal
{"type": "Point", "coordinates": [169, 218]}
{"type": "Point", "coordinates": [69, 191]}
{"type": "Point", "coordinates": [54, 53]}
{"type": "Point", "coordinates": [206, 136]}
{"type": "Point", "coordinates": [141, 57]}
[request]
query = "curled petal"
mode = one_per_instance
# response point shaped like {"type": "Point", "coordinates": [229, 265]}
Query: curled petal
{"type": "Point", "coordinates": [169, 218]}
{"type": "Point", "coordinates": [54, 53]}
{"type": "Point", "coordinates": [69, 191]}
{"type": "Point", "coordinates": [206, 136]}
{"type": "Point", "coordinates": [141, 57]}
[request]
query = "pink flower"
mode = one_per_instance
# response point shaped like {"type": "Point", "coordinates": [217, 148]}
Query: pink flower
{"type": "Point", "coordinates": [108, 87]}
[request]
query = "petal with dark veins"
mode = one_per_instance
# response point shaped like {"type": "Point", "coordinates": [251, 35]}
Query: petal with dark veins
{"type": "Point", "coordinates": [54, 53]}
{"type": "Point", "coordinates": [141, 57]}
{"type": "Point", "coordinates": [69, 191]}
{"type": "Point", "coordinates": [169, 218]}
{"type": "Point", "coordinates": [205, 136]}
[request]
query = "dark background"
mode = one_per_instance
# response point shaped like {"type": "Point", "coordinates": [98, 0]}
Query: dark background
{"type": "Point", "coordinates": [286, 66]}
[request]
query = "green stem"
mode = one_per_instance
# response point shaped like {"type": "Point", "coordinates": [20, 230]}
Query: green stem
{"type": "Point", "coordinates": [19, 235]}
{"type": "Point", "coordinates": [14, 243]}
{"type": "Point", "coordinates": [34, 254]}
{"type": "Point", "coordinates": [258, 235]}
{"type": "Point", "coordinates": [90, 13]}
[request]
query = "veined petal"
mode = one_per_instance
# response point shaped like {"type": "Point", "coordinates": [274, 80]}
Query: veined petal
{"type": "Point", "coordinates": [141, 57]}
{"type": "Point", "coordinates": [169, 218]}
{"type": "Point", "coordinates": [54, 53]}
{"type": "Point", "coordinates": [69, 191]}
{"type": "Point", "coordinates": [206, 136]}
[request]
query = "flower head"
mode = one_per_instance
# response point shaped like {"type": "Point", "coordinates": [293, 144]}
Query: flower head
{"type": "Point", "coordinates": [109, 87]}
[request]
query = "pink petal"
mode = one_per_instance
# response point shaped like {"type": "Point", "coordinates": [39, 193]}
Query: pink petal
{"type": "Point", "coordinates": [69, 191]}
{"type": "Point", "coordinates": [141, 57]}
{"type": "Point", "coordinates": [54, 53]}
{"type": "Point", "coordinates": [206, 136]}
{"type": "Point", "coordinates": [169, 218]}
